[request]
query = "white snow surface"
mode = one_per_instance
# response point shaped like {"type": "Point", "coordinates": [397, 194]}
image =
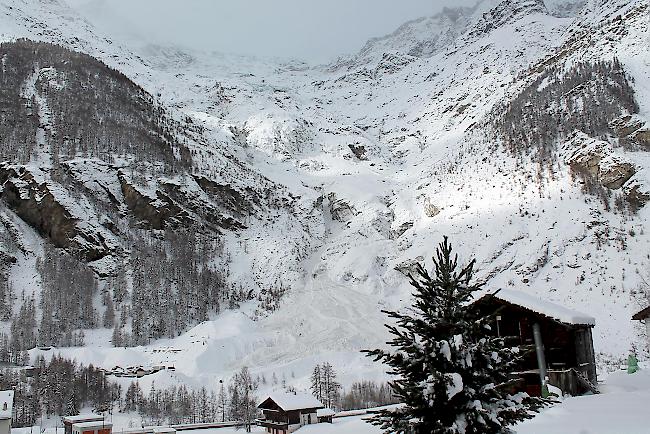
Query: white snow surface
{"type": "Point", "coordinates": [621, 408]}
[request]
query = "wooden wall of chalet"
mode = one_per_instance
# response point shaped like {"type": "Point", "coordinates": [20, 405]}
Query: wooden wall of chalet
{"type": "Point", "coordinates": [273, 412]}
{"type": "Point", "coordinates": [566, 345]}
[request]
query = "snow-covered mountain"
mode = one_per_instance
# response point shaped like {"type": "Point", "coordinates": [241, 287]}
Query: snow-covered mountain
{"type": "Point", "coordinates": [517, 127]}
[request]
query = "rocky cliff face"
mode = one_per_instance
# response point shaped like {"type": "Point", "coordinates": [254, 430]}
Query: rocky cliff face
{"type": "Point", "coordinates": [42, 205]}
{"type": "Point", "coordinates": [103, 173]}
{"type": "Point", "coordinates": [505, 12]}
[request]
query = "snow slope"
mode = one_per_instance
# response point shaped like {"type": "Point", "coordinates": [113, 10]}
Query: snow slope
{"type": "Point", "coordinates": [409, 105]}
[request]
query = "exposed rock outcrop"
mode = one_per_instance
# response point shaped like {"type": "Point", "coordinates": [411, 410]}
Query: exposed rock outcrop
{"type": "Point", "coordinates": [218, 205]}
{"type": "Point", "coordinates": [430, 210]}
{"type": "Point", "coordinates": [399, 231]}
{"type": "Point", "coordinates": [49, 209]}
{"type": "Point", "coordinates": [359, 151]}
{"type": "Point", "coordinates": [340, 209]}
{"type": "Point", "coordinates": [632, 129]}
{"type": "Point", "coordinates": [637, 193]}
{"type": "Point", "coordinates": [505, 12]}
{"type": "Point", "coordinates": [598, 159]}
{"type": "Point", "coordinates": [155, 210]}
{"type": "Point", "coordinates": [409, 267]}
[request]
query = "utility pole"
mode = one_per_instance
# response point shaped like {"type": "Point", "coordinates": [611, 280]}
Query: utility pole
{"type": "Point", "coordinates": [222, 395]}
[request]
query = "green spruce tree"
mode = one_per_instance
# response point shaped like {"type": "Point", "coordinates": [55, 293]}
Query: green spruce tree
{"type": "Point", "coordinates": [452, 373]}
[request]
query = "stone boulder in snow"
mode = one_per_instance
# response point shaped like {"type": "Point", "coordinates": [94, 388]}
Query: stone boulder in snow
{"type": "Point", "coordinates": [430, 210]}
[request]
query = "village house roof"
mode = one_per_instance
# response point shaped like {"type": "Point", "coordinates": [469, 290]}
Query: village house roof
{"type": "Point", "coordinates": [543, 307]}
{"type": "Point", "coordinates": [293, 401]}
{"type": "Point", "coordinates": [6, 403]}
{"type": "Point", "coordinates": [82, 418]}
{"type": "Point", "coordinates": [93, 424]}
{"type": "Point", "coordinates": [641, 315]}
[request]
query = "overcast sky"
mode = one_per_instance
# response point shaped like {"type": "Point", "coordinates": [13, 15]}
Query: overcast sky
{"type": "Point", "coordinates": [314, 30]}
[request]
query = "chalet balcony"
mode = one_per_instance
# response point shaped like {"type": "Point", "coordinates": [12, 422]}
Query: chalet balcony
{"type": "Point", "coordinates": [270, 423]}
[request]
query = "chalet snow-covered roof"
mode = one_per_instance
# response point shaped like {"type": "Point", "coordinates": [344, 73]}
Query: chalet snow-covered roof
{"type": "Point", "coordinates": [92, 424]}
{"type": "Point", "coordinates": [293, 401]}
{"type": "Point", "coordinates": [6, 403]}
{"type": "Point", "coordinates": [82, 418]}
{"type": "Point", "coordinates": [544, 307]}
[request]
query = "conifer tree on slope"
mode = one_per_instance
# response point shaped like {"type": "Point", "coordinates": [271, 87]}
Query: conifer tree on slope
{"type": "Point", "coordinates": [72, 406]}
{"type": "Point", "coordinates": [317, 383]}
{"type": "Point", "coordinates": [452, 375]}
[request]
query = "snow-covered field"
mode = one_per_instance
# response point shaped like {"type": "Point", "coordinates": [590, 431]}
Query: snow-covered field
{"type": "Point", "coordinates": [621, 408]}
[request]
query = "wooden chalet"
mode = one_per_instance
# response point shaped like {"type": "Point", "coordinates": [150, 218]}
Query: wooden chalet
{"type": "Point", "coordinates": [286, 412]}
{"type": "Point", "coordinates": [644, 315]}
{"type": "Point", "coordinates": [557, 341]}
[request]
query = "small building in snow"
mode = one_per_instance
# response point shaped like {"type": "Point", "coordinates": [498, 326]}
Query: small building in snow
{"type": "Point", "coordinates": [6, 410]}
{"type": "Point", "coordinates": [557, 341]}
{"type": "Point", "coordinates": [324, 415]}
{"type": "Point", "coordinates": [92, 427]}
{"type": "Point", "coordinates": [644, 316]}
{"type": "Point", "coordinates": [286, 412]}
{"type": "Point", "coordinates": [68, 421]}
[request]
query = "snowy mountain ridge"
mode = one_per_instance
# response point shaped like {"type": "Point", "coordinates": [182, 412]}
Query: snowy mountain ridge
{"type": "Point", "coordinates": [383, 153]}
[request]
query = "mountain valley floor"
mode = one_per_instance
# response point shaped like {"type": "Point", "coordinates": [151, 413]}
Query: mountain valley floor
{"type": "Point", "coordinates": [621, 407]}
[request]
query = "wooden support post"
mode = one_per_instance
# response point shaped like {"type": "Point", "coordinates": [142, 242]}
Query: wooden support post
{"type": "Point", "coordinates": [539, 349]}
